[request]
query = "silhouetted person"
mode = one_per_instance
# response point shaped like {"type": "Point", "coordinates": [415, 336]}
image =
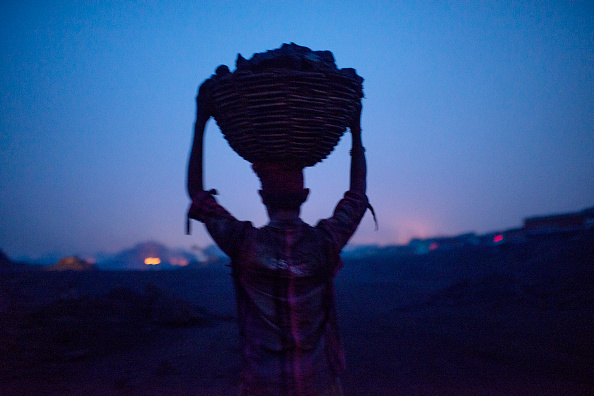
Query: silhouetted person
{"type": "Point", "coordinates": [284, 274]}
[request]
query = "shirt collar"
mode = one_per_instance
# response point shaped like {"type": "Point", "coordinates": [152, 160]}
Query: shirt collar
{"type": "Point", "coordinates": [285, 223]}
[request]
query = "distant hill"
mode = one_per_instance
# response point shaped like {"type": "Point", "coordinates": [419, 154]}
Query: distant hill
{"type": "Point", "coordinates": [5, 263]}
{"type": "Point", "coordinates": [72, 263]}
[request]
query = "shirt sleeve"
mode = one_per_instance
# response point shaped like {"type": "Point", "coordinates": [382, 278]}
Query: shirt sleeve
{"type": "Point", "coordinates": [346, 218]}
{"type": "Point", "coordinates": [224, 229]}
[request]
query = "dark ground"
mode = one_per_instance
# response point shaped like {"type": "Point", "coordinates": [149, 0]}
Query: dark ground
{"type": "Point", "coordinates": [512, 319]}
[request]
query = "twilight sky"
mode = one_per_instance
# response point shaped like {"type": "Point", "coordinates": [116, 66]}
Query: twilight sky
{"type": "Point", "coordinates": [477, 114]}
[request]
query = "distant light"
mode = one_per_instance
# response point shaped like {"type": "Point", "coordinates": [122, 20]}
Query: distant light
{"type": "Point", "coordinates": [433, 246]}
{"type": "Point", "coordinates": [152, 261]}
{"type": "Point", "coordinates": [498, 238]}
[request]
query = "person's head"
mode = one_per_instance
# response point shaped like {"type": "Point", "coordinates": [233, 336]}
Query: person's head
{"type": "Point", "coordinates": [282, 187]}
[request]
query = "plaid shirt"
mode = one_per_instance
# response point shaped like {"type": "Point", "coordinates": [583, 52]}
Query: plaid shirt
{"type": "Point", "coordinates": [284, 283]}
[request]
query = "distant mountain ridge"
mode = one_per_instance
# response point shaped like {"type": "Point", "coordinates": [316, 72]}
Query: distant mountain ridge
{"type": "Point", "coordinates": [153, 255]}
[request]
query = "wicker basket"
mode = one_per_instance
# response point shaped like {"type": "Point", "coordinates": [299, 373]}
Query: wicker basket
{"type": "Point", "coordinates": [281, 115]}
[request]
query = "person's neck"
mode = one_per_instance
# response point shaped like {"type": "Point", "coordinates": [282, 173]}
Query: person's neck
{"type": "Point", "coordinates": [283, 216]}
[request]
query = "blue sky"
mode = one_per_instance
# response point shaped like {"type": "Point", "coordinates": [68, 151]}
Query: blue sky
{"type": "Point", "coordinates": [477, 114]}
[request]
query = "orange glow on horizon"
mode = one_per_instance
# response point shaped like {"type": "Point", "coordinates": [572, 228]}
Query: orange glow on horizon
{"type": "Point", "coordinates": [152, 261]}
{"type": "Point", "coordinates": [181, 262]}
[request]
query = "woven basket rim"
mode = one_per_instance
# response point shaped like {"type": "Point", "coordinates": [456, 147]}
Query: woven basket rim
{"type": "Point", "coordinates": [283, 113]}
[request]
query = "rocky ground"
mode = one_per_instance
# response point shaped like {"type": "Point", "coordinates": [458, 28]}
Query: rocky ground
{"type": "Point", "coordinates": [506, 320]}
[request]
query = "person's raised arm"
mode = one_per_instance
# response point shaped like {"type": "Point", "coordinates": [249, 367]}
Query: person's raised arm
{"type": "Point", "coordinates": [195, 165]}
{"type": "Point", "coordinates": [358, 164]}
